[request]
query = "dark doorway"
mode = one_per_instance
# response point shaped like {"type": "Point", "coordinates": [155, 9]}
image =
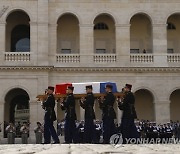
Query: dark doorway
{"type": "Point", "coordinates": [16, 108]}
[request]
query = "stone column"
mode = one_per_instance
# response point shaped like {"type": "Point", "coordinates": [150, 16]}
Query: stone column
{"type": "Point", "coordinates": [123, 44]}
{"type": "Point", "coordinates": [86, 44]}
{"type": "Point", "coordinates": [43, 38]}
{"type": "Point", "coordinates": [160, 44]}
{"type": "Point", "coordinates": [162, 111]}
{"type": "Point", "coordinates": [2, 41]}
{"type": "Point", "coordinates": [33, 42]}
{"type": "Point", "coordinates": [2, 120]}
{"type": "Point", "coordinates": [52, 43]}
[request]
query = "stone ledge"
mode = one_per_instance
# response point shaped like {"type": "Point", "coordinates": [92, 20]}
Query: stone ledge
{"type": "Point", "coordinates": [96, 69]}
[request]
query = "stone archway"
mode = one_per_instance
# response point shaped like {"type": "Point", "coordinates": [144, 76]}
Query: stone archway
{"type": "Point", "coordinates": [173, 30]}
{"type": "Point", "coordinates": [18, 32]}
{"type": "Point", "coordinates": [68, 34]}
{"type": "Point", "coordinates": [16, 108]}
{"type": "Point", "coordinates": [104, 34]}
{"type": "Point", "coordinates": [175, 105]}
{"type": "Point", "coordinates": [141, 34]}
{"type": "Point", "coordinates": [144, 104]}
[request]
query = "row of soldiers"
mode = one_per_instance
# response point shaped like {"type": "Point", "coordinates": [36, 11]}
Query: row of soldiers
{"type": "Point", "coordinates": [106, 104]}
{"type": "Point", "coordinates": [24, 130]}
{"type": "Point", "coordinates": [147, 129]}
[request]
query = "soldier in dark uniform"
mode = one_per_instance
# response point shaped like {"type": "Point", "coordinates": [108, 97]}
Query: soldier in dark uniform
{"type": "Point", "coordinates": [49, 118]}
{"type": "Point", "coordinates": [70, 116]}
{"type": "Point", "coordinates": [108, 114]}
{"type": "Point", "coordinates": [128, 127]}
{"type": "Point", "coordinates": [87, 103]}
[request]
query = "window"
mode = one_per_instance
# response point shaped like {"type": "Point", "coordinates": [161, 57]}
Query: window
{"type": "Point", "coordinates": [67, 51]}
{"type": "Point", "coordinates": [171, 26]}
{"type": "Point", "coordinates": [134, 51]}
{"type": "Point", "coordinates": [23, 45]}
{"type": "Point", "coordinates": [100, 50]}
{"type": "Point", "coordinates": [170, 50]}
{"type": "Point", "coordinates": [20, 39]}
{"type": "Point", "coordinates": [101, 26]}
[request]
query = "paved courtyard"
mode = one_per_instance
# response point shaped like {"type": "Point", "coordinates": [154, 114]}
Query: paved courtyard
{"type": "Point", "coordinates": [90, 149]}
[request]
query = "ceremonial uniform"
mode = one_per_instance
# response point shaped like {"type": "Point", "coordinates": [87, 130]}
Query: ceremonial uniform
{"type": "Point", "coordinates": [89, 128]}
{"type": "Point", "coordinates": [49, 118]}
{"type": "Point", "coordinates": [70, 116]}
{"type": "Point", "coordinates": [24, 134]}
{"type": "Point", "coordinates": [38, 132]}
{"type": "Point", "coordinates": [11, 131]}
{"type": "Point", "coordinates": [108, 116]}
{"type": "Point", "coordinates": [128, 127]}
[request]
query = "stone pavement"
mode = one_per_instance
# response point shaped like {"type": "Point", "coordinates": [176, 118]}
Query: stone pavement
{"type": "Point", "coordinates": [90, 149]}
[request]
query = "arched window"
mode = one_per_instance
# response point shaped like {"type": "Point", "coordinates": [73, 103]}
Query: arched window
{"type": "Point", "coordinates": [171, 26]}
{"type": "Point", "coordinates": [20, 39]}
{"type": "Point", "coordinates": [101, 26]}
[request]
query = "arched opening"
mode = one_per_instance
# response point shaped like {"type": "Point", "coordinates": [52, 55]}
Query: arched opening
{"type": "Point", "coordinates": [16, 107]}
{"type": "Point", "coordinates": [144, 104]}
{"type": "Point", "coordinates": [104, 34]}
{"type": "Point", "coordinates": [173, 30]}
{"type": "Point", "coordinates": [68, 34]}
{"type": "Point", "coordinates": [140, 34]}
{"type": "Point", "coordinates": [18, 32]}
{"type": "Point", "coordinates": [175, 105]}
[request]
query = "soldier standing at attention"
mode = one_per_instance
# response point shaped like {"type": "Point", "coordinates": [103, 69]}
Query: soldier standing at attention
{"type": "Point", "coordinates": [11, 132]}
{"type": "Point", "coordinates": [87, 104]}
{"type": "Point", "coordinates": [108, 114]}
{"type": "Point", "coordinates": [38, 132]}
{"type": "Point", "coordinates": [70, 116]}
{"type": "Point", "coordinates": [49, 118]}
{"type": "Point", "coordinates": [128, 128]}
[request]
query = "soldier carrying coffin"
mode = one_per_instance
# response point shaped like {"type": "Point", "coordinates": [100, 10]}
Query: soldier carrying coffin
{"type": "Point", "coordinates": [87, 103]}
{"type": "Point", "coordinates": [70, 116]}
{"type": "Point", "coordinates": [128, 127]}
{"type": "Point", "coordinates": [108, 114]}
{"type": "Point", "coordinates": [49, 118]}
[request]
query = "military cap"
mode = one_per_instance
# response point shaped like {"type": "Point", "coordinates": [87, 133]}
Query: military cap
{"type": "Point", "coordinates": [71, 88]}
{"type": "Point", "coordinates": [51, 88]}
{"type": "Point", "coordinates": [129, 86]}
{"type": "Point", "coordinates": [109, 86]}
{"type": "Point", "coordinates": [89, 87]}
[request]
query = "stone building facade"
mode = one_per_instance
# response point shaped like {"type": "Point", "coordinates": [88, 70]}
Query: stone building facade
{"type": "Point", "coordinates": [45, 42]}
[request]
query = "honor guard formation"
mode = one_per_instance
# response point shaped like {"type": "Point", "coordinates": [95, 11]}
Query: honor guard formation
{"type": "Point", "coordinates": [91, 130]}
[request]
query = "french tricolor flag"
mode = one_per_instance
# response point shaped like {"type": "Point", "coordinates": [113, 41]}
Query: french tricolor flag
{"type": "Point", "coordinates": [80, 88]}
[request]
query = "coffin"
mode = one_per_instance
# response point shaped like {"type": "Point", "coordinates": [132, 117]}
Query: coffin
{"type": "Point", "coordinates": [80, 90]}
{"type": "Point", "coordinates": [61, 88]}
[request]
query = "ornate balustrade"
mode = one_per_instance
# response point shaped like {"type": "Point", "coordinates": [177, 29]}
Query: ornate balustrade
{"type": "Point", "coordinates": [173, 58]}
{"type": "Point", "coordinates": [17, 56]}
{"type": "Point", "coordinates": [68, 58]}
{"type": "Point", "coordinates": [141, 58]}
{"type": "Point", "coordinates": [105, 58]}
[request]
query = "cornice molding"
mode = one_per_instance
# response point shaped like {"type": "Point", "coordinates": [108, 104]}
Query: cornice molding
{"type": "Point", "coordinates": [94, 69]}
